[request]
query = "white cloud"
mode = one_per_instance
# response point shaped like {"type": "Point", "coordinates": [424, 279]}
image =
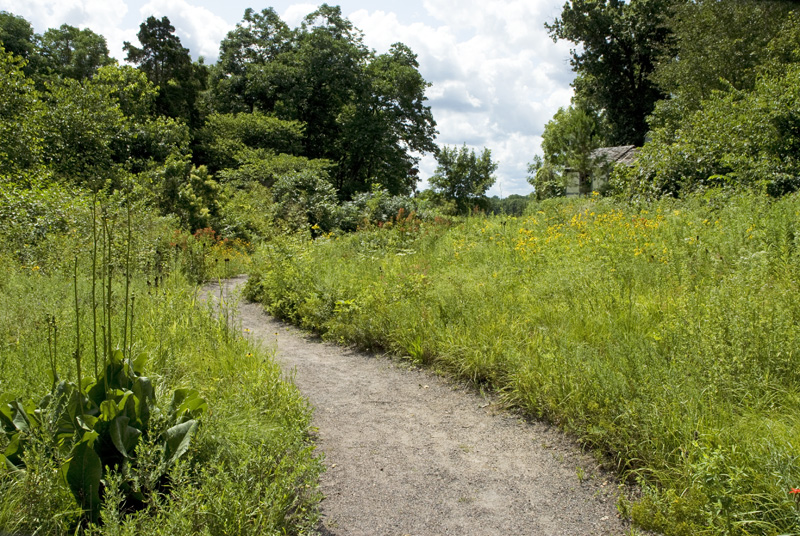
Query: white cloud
{"type": "Point", "coordinates": [295, 13]}
{"type": "Point", "coordinates": [43, 14]}
{"type": "Point", "coordinates": [497, 76]}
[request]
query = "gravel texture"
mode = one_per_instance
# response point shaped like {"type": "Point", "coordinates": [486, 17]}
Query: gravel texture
{"type": "Point", "coordinates": [411, 453]}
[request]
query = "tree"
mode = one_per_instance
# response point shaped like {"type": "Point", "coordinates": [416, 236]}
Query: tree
{"type": "Point", "coordinates": [229, 140]}
{"type": "Point", "coordinates": [618, 46]}
{"type": "Point", "coordinates": [81, 122]}
{"type": "Point", "coordinates": [187, 191]}
{"type": "Point", "coordinates": [16, 35]}
{"type": "Point", "coordinates": [718, 46]}
{"type": "Point", "coordinates": [567, 142]}
{"type": "Point", "coordinates": [365, 113]}
{"type": "Point", "coordinates": [737, 139]}
{"type": "Point", "coordinates": [68, 52]}
{"type": "Point", "coordinates": [168, 65]}
{"type": "Point", "coordinates": [145, 140]}
{"type": "Point", "coordinates": [250, 73]}
{"type": "Point", "coordinates": [463, 177]}
{"type": "Point", "coordinates": [387, 121]}
{"type": "Point", "coordinates": [545, 180]}
{"type": "Point", "coordinates": [21, 111]}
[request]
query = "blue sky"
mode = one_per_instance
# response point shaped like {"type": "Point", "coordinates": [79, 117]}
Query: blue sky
{"type": "Point", "coordinates": [496, 76]}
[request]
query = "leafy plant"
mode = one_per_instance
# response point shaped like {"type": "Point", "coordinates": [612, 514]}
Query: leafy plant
{"type": "Point", "coordinates": [100, 425]}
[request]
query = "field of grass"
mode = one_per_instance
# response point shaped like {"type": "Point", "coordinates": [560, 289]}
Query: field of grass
{"type": "Point", "coordinates": [250, 467]}
{"type": "Point", "coordinates": [666, 337]}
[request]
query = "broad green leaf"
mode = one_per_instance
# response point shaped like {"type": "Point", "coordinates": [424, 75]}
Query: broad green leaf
{"type": "Point", "coordinates": [6, 415]}
{"type": "Point", "coordinates": [139, 363]}
{"type": "Point", "coordinates": [179, 437]}
{"type": "Point", "coordinates": [97, 392]}
{"type": "Point", "coordinates": [108, 410]}
{"type": "Point", "coordinates": [83, 472]}
{"type": "Point", "coordinates": [6, 465]}
{"type": "Point", "coordinates": [123, 436]}
{"type": "Point", "coordinates": [13, 450]}
{"type": "Point", "coordinates": [143, 389]}
{"type": "Point", "coordinates": [187, 404]}
{"type": "Point", "coordinates": [20, 417]}
{"type": "Point", "coordinates": [87, 422]}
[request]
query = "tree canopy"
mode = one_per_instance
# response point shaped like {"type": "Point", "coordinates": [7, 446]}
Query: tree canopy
{"type": "Point", "coordinates": [617, 46]}
{"type": "Point", "coordinates": [567, 142]}
{"type": "Point", "coordinates": [169, 66]}
{"type": "Point", "coordinates": [67, 52]}
{"type": "Point", "coordinates": [362, 111]}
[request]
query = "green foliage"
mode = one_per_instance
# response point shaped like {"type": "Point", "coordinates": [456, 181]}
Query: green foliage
{"type": "Point", "coordinates": [259, 425]}
{"type": "Point", "coordinates": [463, 177]}
{"type": "Point", "coordinates": [248, 74]}
{"type": "Point", "coordinates": [187, 191]}
{"type": "Point", "coordinates": [103, 422]}
{"type": "Point", "coordinates": [81, 122]}
{"type": "Point", "coordinates": [68, 52]}
{"type": "Point", "coordinates": [230, 140]}
{"type": "Point", "coordinates": [513, 205]}
{"type": "Point", "coordinates": [372, 208]}
{"type": "Point", "coordinates": [364, 113]}
{"type": "Point", "coordinates": [717, 46]}
{"type": "Point", "coordinates": [547, 182]}
{"type": "Point", "coordinates": [21, 113]}
{"type": "Point", "coordinates": [737, 139]}
{"type": "Point", "coordinates": [387, 121]}
{"type": "Point", "coordinates": [567, 142]}
{"type": "Point", "coordinates": [16, 35]}
{"type": "Point", "coordinates": [168, 66]}
{"type": "Point", "coordinates": [617, 44]}
{"type": "Point", "coordinates": [305, 199]}
{"type": "Point", "coordinates": [664, 336]}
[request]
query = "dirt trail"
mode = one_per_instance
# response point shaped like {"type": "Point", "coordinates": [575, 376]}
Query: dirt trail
{"type": "Point", "coordinates": [410, 453]}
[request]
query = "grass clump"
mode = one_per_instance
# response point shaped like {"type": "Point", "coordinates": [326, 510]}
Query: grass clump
{"type": "Point", "coordinates": [665, 336]}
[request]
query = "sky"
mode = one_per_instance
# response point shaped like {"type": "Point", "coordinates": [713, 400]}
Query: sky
{"type": "Point", "coordinates": [497, 77]}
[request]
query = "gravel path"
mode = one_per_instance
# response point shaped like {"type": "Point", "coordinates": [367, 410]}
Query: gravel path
{"type": "Point", "coordinates": [410, 453]}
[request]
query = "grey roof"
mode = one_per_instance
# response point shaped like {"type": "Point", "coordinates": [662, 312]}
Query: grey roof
{"type": "Point", "coordinates": [623, 154]}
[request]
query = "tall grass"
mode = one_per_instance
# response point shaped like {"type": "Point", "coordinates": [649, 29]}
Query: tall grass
{"type": "Point", "coordinates": [252, 467]}
{"type": "Point", "coordinates": [666, 337]}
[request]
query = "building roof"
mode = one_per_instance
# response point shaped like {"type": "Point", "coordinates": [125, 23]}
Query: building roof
{"type": "Point", "coordinates": [623, 154]}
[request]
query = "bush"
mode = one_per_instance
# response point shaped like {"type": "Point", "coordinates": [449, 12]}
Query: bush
{"type": "Point", "coordinates": [738, 139]}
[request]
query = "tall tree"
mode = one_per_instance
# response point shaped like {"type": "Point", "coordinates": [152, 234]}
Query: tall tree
{"type": "Point", "coordinates": [365, 113]}
{"type": "Point", "coordinates": [21, 113]}
{"type": "Point", "coordinates": [463, 177]}
{"type": "Point", "coordinates": [250, 74]}
{"type": "Point", "coordinates": [16, 35]}
{"type": "Point", "coordinates": [68, 52]}
{"type": "Point", "coordinates": [718, 46]}
{"type": "Point", "coordinates": [387, 121]}
{"type": "Point", "coordinates": [168, 65]}
{"type": "Point", "coordinates": [618, 43]}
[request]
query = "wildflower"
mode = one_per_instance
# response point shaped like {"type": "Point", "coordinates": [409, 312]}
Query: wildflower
{"type": "Point", "coordinates": [249, 354]}
{"type": "Point", "coordinates": [795, 491]}
{"type": "Point", "coordinates": [247, 330]}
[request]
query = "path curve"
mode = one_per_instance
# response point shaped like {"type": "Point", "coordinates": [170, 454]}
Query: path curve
{"type": "Point", "coordinates": [410, 453]}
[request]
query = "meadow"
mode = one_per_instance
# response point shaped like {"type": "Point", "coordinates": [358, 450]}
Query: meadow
{"type": "Point", "coordinates": [664, 336]}
{"type": "Point", "coordinates": [196, 428]}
